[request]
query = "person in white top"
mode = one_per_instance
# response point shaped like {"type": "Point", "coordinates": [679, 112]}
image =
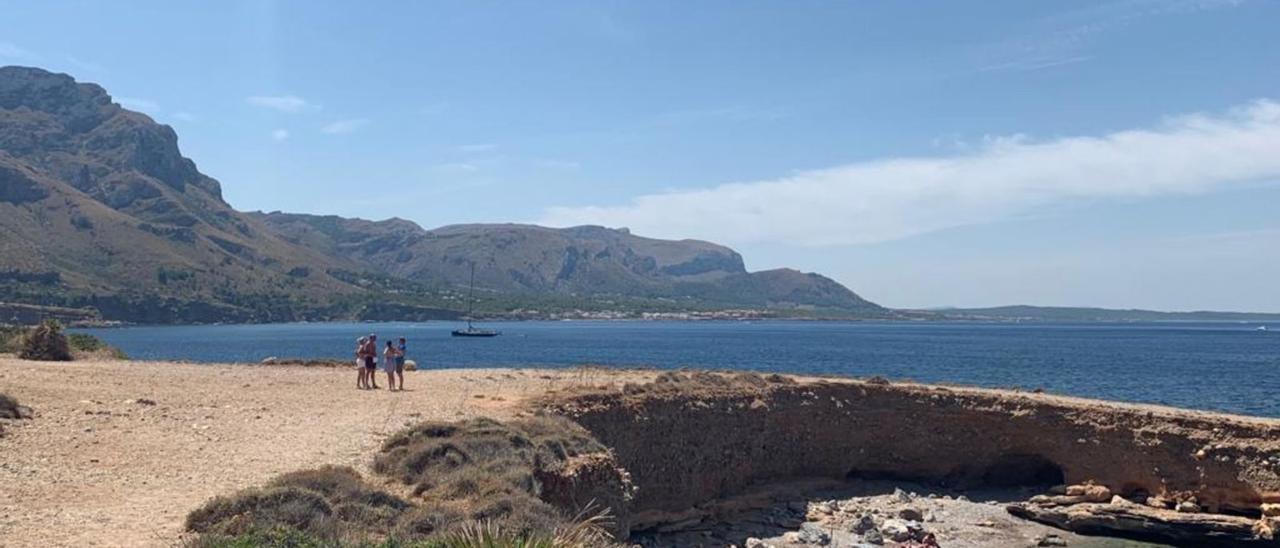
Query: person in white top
{"type": "Point", "coordinates": [361, 380]}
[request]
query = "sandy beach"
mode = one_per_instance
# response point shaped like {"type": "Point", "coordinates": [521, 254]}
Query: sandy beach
{"type": "Point", "coordinates": [118, 452]}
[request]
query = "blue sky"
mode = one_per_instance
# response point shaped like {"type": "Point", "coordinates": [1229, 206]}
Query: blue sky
{"type": "Point", "coordinates": [1120, 153]}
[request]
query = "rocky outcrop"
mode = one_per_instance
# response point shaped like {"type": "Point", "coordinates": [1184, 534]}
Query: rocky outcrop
{"type": "Point", "coordinates": [1124, 518]}
{"type": "Point", "coordinates": [687, 439]}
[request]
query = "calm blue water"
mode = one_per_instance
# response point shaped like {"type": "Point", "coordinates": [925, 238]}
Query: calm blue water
{"type": "Point", "coordinates": [1218, 366]}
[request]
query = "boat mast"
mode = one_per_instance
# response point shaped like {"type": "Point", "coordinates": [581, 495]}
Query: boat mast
{"type": "Point", "coordinates": [471, 296]}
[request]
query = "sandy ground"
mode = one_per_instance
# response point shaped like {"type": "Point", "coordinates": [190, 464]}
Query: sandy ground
{"type": "Point", "coordinates": [98, 466]}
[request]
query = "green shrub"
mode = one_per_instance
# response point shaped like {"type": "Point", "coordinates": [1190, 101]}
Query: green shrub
{"type": "Point", "coordinates": [45, 342]}
{"type": "Point", "coordinates": [85, 343]}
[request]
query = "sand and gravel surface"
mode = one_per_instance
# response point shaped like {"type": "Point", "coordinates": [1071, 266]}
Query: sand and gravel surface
{"type": "Point", "coordinates": [118, 452]}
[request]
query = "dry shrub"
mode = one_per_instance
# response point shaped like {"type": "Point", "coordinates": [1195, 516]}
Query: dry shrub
{"type": "Point", "coordinates": [9, 408]}
{"type": "Point", "coordinates": [429, 518]}
{"type": "Point", "coordinates": [291, 507]}
{"type": "Point", "coordinates": [330, 502]}
{"type": "Point", "coordinates": [45, 342]}
{"type": "Point", "coordinates": [486, 467]}
{"type": "Point", "coordinates": [473, 476]}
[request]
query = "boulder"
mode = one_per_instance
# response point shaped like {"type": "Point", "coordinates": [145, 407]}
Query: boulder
{"type": "Point", "coordinates": [863, 524]}
{"type": "Point", "coordinates": [1090, 492]}
{"type": "Point", "coordinates": [410, 365]}
{"type": "Point", "coordinates": [898, 530]}
{"type": "Point", "coordinates": [812, 533]}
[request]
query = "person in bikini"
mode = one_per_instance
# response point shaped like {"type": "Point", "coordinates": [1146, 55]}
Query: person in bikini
{"type": "Point", "coordinates": [389, 365]}
{"type": "Point", "coordinates": [361, 382]}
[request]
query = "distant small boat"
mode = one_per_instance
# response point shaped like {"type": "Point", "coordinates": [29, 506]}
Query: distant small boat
{"type": "Point", "coordinates": [475, 332]}
{"type": "Point", "coordinates": [471, 330]}
{"type": "Point", "coordinates": [1261, 328]}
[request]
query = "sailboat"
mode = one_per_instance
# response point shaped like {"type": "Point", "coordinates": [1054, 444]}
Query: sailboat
{"type": "Point", "coordinates": [471, 330]}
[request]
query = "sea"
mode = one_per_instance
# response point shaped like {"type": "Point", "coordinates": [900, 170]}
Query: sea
{"type": "Point", "coordinates": [1231, 367]}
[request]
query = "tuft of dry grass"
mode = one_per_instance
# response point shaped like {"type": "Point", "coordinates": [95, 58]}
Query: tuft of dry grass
{"type": "Point", "coordinates": [331, 502]}
{"type": "Point", "coordinates": [475, 482]}
{"type": "Point", "coordinates": [486, 467]}
{"type": "Point", "coordinates": [9, 408]}
{"type": "Point", "coordinates": [45, 342]}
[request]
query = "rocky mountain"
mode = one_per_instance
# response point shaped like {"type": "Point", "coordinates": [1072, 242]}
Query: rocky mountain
{"type": "Point", "coordinates": [99, 209]}
{"type": "Point", "coordinates": [584, 260]}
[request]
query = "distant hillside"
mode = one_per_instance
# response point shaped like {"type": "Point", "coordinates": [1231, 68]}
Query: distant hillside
{"type": "Point", "coordinates": [585, 260]}
{"type": "Point", "coordinates": [100, 212]}
{"type": "Point", "coordinates": [1071, 314]}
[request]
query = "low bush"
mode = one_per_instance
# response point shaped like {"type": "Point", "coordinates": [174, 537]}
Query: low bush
{"type": "Point", "coordinates": [488, 466]}
{"type": "Point", "coordinates": [475, 481]}
{"type": "Point", "coordinates": [45, 342]}
{"type": "Point", "coordinates": [330, 502]}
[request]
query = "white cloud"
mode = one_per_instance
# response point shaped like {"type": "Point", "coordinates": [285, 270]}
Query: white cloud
{"type": "Point", "coordinates": [282, 103]}
{"type": "Point", "coordinates": [345, 126]}
{"type": "Point", "coordinates": [476, 148]}
{"type": "Point", "coordinates": [135, 103]}
{"type": "Point", "coordinates": [900, 197]}
{"type": "Point", "coordinates": [280, 135]}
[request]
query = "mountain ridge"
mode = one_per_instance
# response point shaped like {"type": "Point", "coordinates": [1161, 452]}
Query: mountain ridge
{"type": "Point", "coordinates": [100, 210]}
{"type": "Point", "coordinates": [1095, 314]}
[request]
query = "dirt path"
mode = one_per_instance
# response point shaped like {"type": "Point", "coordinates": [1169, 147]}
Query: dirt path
{"type": "Point", "coordinates": [101, 465]}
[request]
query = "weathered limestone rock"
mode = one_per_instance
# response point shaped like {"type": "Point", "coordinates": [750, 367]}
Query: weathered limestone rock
{"type": "Point", "coordinates": [1144, 523]}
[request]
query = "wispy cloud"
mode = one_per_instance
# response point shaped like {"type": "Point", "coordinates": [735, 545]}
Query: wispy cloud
{"type": "Point", "coordinates": [12, 51]}
{"type": "Point", "coordinates": [732, 113]}
{"type": "Point", "coordinates": [184, 116]}
{"type": "Point", "coordinates": [1035, 63]}
{"type": "Point", "coordinates": [280, 135]}
{"type": "Point", "coordinates": [557, 164]}
{"type": "Point", "coordinates": [345, 126]}
{"type": "Point", "coordinates": [139, 104]}
{"type": "Point", "coordinates": [1006, 178]}
{"type": "Point", "coordinates": [455, 167]}
{"type": "Point", "coordinates": [82, 65]}
{"type": "Point", "coordinates": [476, 148]}
{"type": "Point", "coordinates": [1065, 38]}
{"type": "Point", "coordinates": [282, 103]}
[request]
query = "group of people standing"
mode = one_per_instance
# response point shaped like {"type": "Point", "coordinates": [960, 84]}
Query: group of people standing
{"type": "Point", "coordinates": [367, 363]}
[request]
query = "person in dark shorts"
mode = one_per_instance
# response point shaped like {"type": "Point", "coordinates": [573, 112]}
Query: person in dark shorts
{"type": "Point", "coordinates": [371, 360]}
